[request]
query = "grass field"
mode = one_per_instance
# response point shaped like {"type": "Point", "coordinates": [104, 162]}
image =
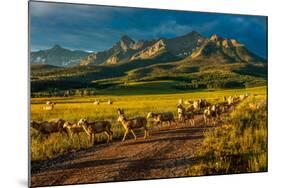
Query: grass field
{"type": "Point", "coordinates": [74, 108]}
{"type": "Point", "coordinates": [239, 145]}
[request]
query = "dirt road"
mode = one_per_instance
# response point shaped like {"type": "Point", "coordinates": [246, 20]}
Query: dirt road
{"type": "Point", "coordinates": [166, 153]}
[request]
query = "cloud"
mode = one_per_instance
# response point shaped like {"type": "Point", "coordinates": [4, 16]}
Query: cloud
{"type": "Point", "coordinates": [92, 27]}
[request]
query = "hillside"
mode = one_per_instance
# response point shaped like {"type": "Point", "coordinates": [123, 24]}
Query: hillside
{"type": "Point", "coordinates": [187, 62]}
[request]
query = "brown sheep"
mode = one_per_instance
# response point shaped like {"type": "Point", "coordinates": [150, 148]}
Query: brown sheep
{"type": "Point", "coordinates": [95, 127]}
{"type": "Point", "coordinates": [184, 115]}
{"type": "Point", "coordinates": [131, 124]}
{"type": "Point", "coordinates": [49, 127]}
{"type": "Point", "coordinates": [159, 118]}
{"type": "Point", "coordinates": [72, 129]}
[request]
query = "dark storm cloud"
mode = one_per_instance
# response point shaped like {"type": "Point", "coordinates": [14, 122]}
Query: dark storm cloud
{"type": "Point", "coordinates": [96, 28]}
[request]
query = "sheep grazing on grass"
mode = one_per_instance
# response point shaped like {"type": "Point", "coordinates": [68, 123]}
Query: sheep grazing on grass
{"type": "Point", "coordinates": [49, 105]}
{"type": "Point", "coordinates": [184, 115]}
{"type": "Point", "coordinates": [109, 102]}
{"type": "Point", "coordinates": [48, 127]}
{"type": "Point", "coordinates": [97, 102]}
{"type": "Point", "coordinates": [95, 127]}
{"type": "Point", "coordinates": [72, 129]}
{"type": "Point", "coordinates": [132, 124]}
{"type": "Point", "coordinates": [159, 118]}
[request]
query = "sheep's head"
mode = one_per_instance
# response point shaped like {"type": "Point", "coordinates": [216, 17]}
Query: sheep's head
{"type": "Point", "coordinates": [120, 111]}
{"type": "Point", "coordinates": [34, 124]}
{"type": "Point", "coordinates": [180, 106]}
{"type": "Point", "coordinates": [150, 115]}
{"type": "Point", "coordinates": [66, 124]}
{"type": "Point", "coordinates": [120, 118]}
{"type": "Point", "coordinates": [82, 122]}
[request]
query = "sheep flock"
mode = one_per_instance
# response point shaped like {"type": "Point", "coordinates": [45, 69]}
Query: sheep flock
{"type": "Point", "coordinates": [188, 112]}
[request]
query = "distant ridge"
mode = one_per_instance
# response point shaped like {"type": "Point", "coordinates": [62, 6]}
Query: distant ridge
{"type": "Point", "coordinates": [58, 56]}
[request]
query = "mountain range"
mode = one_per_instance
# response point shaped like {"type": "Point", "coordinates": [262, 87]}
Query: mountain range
{"type": "Point", "coordinates": [126, 49]}
{"type": "Point", "coordinates": [58, 56]}
{"type": "Point", "coordinates": [188, 59]}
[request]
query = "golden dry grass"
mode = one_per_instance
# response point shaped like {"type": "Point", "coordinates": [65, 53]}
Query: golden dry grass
{"type": "Point", "coordinates": [74, 108]}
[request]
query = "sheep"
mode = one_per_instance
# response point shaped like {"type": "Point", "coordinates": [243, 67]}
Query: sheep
{"type": "Point", "coordinates": [72, 129]}
{"type": "Point", "coordinates": [92, 128]}
{"type": "Point", "coordinates": [48, 107]}
{"type": "Point", "coordinates": [159, 118]}
{"type": "Point", "coordinates": [243, 97]}
{"type": "Point", "coordinates": [48, 127]}
{"type": "Point", "coordinates": [224, 106]}
{"type": "Point", "coordinates": [203, 103]}
{"type": "Point", "coordinates": [50, 103]}
{"type": "Point", "coordinates": [210, 114]}
{"type": "Point", "coordinates": [185, 115]}
{"type": "Point", "coordinates": [97, 102]}
{"type": "Point", "coordinates": [213, 112]}
{"type": "Point", "coordinates": [131, 124]}
{"type": "Point", "coordinates": [180, 101]}
{"type": "Point", "coordinates": [199, 104]}
{"type": "Point", "coordinates": [109, 102]}
{"type": "Point", "coordinates": [230, 100]}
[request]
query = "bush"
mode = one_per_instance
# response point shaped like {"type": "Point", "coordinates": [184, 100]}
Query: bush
{"type": "Point", "coordinates": [240, 145]}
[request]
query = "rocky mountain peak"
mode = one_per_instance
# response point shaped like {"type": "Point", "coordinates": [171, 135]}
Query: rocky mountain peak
{"type": "Point", "coordinates": [56, 46]}
{"type": "Point", "coordinates": [126, 42]}
{"type": "Point", "coordinates": [215, 37]}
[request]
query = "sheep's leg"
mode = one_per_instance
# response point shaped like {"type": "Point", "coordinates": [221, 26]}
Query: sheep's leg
{"type": "Point", "coordinates": [125, 134]}
{"type": "Point", "coordinates": [133, 134]}
{"type": "Point", "coordinates": [190, 122]}
{"type": "Point", "coordinates": [78, 139]}
{"type": "Point", "coordinates": [93, 139]}
{"type": "Point", "coordinates": [108, 136]}
{"type": "Point", "coordinates": [111, 134]}
{"type": "Point", "coordinates": [158, 124]}
{"type": "Point", "coordinates": [205, 119]}
{"type": "Point", "coordinates": [145, 133]}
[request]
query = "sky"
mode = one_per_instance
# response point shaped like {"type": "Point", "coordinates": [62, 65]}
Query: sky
{"type": "Point", "coordinates": [97, 28]}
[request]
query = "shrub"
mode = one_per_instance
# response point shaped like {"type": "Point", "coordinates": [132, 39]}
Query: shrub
{"type": "Point", "coordinates": [240, 145]}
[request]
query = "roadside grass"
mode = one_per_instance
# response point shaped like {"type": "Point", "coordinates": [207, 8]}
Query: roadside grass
{"type": "Point", "coordinates": [74, 108]}
{"type": "Point", "coordinates": [238, 146]}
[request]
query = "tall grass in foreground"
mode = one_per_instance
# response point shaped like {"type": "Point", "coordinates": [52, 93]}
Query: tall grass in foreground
{"type": "Point", "coordinates": [240, 145]}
